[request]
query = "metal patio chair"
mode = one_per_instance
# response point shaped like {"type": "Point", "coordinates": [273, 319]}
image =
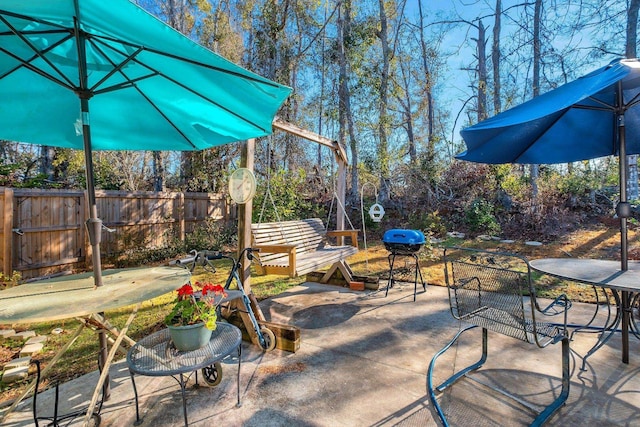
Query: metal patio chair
{"type": "Point", "coordinates": [494, 291]}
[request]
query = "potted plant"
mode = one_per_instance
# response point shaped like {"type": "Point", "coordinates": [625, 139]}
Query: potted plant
{"type": "Point", "coordinates": [194, 314]}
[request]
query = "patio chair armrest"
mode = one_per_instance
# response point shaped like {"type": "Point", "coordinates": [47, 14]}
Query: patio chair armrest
{"type": "Point", "coordinates": [561, 304]}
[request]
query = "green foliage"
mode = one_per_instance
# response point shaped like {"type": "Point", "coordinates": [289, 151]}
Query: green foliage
{"type": "Point", "coordinates": [479, 217]}
{"type": "Point", "coordinates": [511, 181]}
{"type": "Point", "coordinates": [430, 223]}
{"type": "Point", "coordinates": [287, 190]}
{"type": "Point", "coordinates": [582, 179]}
{"type": "Point", "coordinates": [9, 281]}
{"type": "Point", "coordinates": [8, 174]}
{"type": "Point", "coordinates": [211, 235]}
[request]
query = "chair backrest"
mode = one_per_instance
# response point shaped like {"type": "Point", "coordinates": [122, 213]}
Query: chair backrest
{"type": "Point", "coordinates": [306, 234]}
{"type": "Point", "coordinates": [494, 290]}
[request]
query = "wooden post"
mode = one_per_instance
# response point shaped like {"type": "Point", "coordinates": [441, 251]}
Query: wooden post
{"type": "Point", "coordinates": [7, 243]}
{"type": "Point", "coordinates": [244, 214]}
{"type": "Point", "coordinates": [341, 191]}
{"type": "Point", "coordinates": [244, 241]}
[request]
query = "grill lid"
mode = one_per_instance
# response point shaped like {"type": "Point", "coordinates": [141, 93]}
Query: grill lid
{"type": "Point", "coordinates": [396, 235]}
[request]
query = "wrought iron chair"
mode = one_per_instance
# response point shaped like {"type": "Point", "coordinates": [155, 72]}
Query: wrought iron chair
{"type": "Point", "coordinates": [494, 291]}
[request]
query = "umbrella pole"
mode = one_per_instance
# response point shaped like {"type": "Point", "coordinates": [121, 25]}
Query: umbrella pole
{"type": "Point", "coordinates": [624, 211]}
{"type": "Point", "coordinates": [94, 228]}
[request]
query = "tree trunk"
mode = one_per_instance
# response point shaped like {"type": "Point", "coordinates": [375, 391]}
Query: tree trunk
{"type": "Point", "coordinates": [47, 154]}
{"type": "Point", "coordinates": [345, 116]}
{"type": "Point", "coordinates": [534, 169]}
{"type": "Point", "coordinates": [158, 172]}
{"type": "Point", "coordinates": [383, 154]}
{"type": "Point", "coordinates": [431, 143]}
{"type": "Point", "coordinates": [495, 60]}
{"type": "Point", "coordinates": [482, 72]}
{"type": "Point", "coordinates": [632, 29]}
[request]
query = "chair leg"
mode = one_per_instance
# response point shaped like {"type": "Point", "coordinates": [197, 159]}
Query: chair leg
{"type": "Point", "coordinates": [455, 377]}
{"type": "Point", "coordinates": [561, 399]}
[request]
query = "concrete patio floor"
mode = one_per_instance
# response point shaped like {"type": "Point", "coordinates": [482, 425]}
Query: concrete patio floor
{"type": "Point", "coordinates": [363, 362]}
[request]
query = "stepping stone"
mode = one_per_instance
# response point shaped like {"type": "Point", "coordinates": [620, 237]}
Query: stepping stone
{"type": "Point", "coordinates": [7, 333]}
{"type": "Point", "coordinates": [507, 241]}
{"type": "Point", "coordinates": [484, 237]}
{"type": "Point", "coordinates": [15, 374]}
{"type": "Point", "coordinates": [456, 234]}
{"type": "Point", "coordinates": [30, 349]}
{"type": "Point", "coordinates": [25, 334]}
{"type": "Point", "coordinates": [532, 243]}
{"type": "Point", "coordinates": [36, 339]}
{"type": "Point", "coordinates": [19, 362]}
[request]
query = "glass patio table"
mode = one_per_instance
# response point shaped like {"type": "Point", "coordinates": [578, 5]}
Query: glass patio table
{"type": "Point", "coordinates": [76, 296]}
{"type": "Point", "coordinates": [607, 274]}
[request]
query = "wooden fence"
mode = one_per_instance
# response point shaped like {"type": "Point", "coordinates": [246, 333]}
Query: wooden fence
{"type": "Point", "coordinates": [43, 231]}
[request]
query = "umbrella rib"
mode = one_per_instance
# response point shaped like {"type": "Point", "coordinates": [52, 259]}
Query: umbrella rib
{"type": "Point", "coordinates": [124, 85]}
{"type": "Point", "coordinates": [37, 52]}
{"type": "Point", "coordinates": [33, 19]}
{"type": "Point", "coordinates": [255, 77]}
{"type": "Point", "coordinates": [131, 83]}
{"type": "Point", "coordinates": [158, 73]}
{"type": "Point", "coordinates": [116, 68]}
{"type": "Point", "coordinates": [27, 64]}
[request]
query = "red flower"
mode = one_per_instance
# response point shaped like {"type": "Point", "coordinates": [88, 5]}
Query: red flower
{"type": "Point", "coordinates": [215, 289]}
{"type": "Point", "coordinates": [185, 291]}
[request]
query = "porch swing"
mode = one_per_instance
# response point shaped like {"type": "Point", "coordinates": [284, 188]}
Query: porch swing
{"type": "Point", "coordinates": [295, 248]}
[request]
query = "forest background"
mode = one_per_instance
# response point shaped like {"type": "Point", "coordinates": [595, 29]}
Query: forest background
{"type": "Point", "coordinates": [393, 81]}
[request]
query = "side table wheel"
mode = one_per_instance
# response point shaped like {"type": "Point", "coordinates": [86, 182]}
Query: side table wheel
{"type": "Point", "coordinates": [212, 374]}
{"type": "Point", "coordinates": [269, 338]}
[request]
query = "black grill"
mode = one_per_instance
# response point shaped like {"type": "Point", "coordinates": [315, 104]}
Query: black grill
{"type": "Point", "coordinates": [400, 241]}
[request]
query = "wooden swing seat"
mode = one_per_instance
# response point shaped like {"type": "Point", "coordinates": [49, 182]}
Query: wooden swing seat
{"type": "Point", "coordinates": [295, 248]}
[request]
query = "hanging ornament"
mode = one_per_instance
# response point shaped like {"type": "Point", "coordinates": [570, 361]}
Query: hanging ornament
{"type": "Point", "coordinates": [376, 212]}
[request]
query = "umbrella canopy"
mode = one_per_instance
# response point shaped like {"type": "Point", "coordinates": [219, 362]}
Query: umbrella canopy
{"type": "Point", "coordinates": [576, 121]}
{"type": "Point", "coordinates": [148, 86]}
{"type": "Point", "coordinates": [580, 120]}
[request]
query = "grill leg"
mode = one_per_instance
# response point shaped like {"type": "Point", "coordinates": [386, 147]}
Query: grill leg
{"type": "Point", "coordinates": [392, 259]}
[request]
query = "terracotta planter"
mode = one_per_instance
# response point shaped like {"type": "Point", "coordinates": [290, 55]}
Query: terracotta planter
{"type": "Point", "coordinates": [189, 337]}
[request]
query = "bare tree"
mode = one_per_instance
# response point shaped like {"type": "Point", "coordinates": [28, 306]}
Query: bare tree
{"type": "Point", "coordinates": [496, 58]}
{"type": "Point", "coordinates": [345, 113]}
{"type": "Point", "coordinates": [534, 169]}
{"type": "Point", "coordinates": [383, 123]}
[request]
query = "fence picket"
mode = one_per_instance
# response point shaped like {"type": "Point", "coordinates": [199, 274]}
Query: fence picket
{"type": "Point", "coordinates": [53, 237]}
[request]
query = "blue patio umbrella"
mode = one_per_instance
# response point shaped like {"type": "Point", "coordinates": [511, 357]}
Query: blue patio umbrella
{"type": "Point", "coordinates": [594, 116]}
{"type": "Point", "coordinates": [107, 75]}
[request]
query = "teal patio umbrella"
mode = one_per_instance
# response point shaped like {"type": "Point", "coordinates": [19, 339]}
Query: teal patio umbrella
{"type": "Point", "coordinates": [107, 75]}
